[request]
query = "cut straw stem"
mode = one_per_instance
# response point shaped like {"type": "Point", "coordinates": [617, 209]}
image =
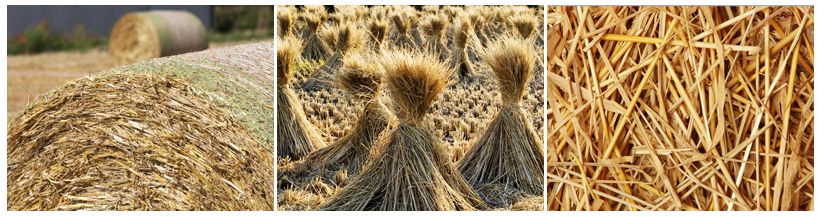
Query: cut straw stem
{"type": "Point", "coordinates": [652, 40]}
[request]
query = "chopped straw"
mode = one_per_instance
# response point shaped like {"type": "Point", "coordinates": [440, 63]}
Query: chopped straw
{"type": "Point", "coordinates": [510, 152]}
{"type": "Point", "coordinates": [296, 135]}
{"type": "Point", "coordinates": [409, 169]}
{"type": "Point", "coordinates": [680, 108]}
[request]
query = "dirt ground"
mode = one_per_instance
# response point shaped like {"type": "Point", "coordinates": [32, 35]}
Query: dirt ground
{"type": "Point", "coordinates": [29, 76]}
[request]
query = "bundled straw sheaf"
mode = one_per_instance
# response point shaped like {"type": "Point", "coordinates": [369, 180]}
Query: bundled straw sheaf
{"type": "Point", "coordinates": [296, 135]}
{"type": "Point", "coordinates": [461, 41]}
{"type": "Point", "coordinates": [510, 152]}
{"type": "Point", "coordinates": [404, 23]}
{"type": "Point", "coordinates": [361, 80]}
{"type": "Point", "coordinates": [134, 141]}
{"type": "Point", "coordinates": [410, 168]}
{"type": "Point", "coordinates": [342, 38]}
{"type": "Point", "coordinates": [314, 47]}
{"type": "Point", "coordinates": [525, 25]}
{"type": "Point", "coordinates": [379, 32]}
{"type": "Point", "coordinates": [435, 27]}
{"type": "Point", "coordinates": [287, 21]}
{"type": "Point", "coordinates": [680, 108]}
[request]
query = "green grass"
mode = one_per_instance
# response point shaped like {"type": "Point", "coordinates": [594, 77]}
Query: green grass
{"type": "Point", "coordinates": [40, 38]}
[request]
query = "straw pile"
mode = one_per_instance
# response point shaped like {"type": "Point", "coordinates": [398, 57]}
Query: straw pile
{"type": "Point", "coordinates": [146, 35]}
{"type": "Point", "coordinates": [361, 80]}
{"type": "Point", "coordinates": [410, 169]}
{"type": "Point", "coordinates": [680, 108]}
{"type": "Point", "coordinates": [166, 134]}
{"type": "Point", "coordinates": [296, 136]}
{"type": "Point", "coordinates": [509, 152]}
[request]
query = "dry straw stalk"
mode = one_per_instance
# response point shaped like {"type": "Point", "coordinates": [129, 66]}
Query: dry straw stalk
{"type": "Point", "coordinates": [680, 108]}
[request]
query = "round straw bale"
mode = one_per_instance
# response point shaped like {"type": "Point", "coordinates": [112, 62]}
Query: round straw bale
{"type": "Point", "coordinates": [189, 132]}
{"type": "Point", "coordinates": [146, 35]}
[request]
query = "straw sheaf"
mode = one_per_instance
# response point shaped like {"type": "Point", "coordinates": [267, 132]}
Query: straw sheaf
{"type": "Point", "coordinates": [134, 141]}
{"type": "Point", "coordinates": [402, 22]}
{"type": "Point", "coordinates": [525, 24]}
{"type": "Point", "coordinates": [512, 61]}
{"type": "Point", "coordinates": [435, 26]}
{"type": "Point", "coordinates": [462, 33]}
{"type": "Point", "coordinates": [379, 30]}
{"type": "Point", "coordinates": [287, 52]}
{"type": "Point", "coordinates": [312, 21]}
{"type": "Point", "coordinates": [414, 80]}
{"type": "Point", "coordinates": [345, 37]}
{"type": "Point", "coordinates": [360, 78]}
{"type": "Point", "coordinates": [287, 20]}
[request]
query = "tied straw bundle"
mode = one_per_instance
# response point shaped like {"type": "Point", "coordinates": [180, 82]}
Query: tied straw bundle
{"type": "Point", "coordinates": [509, 152]}
{"type": "Point", "coordinates": [296, 135]}
{"type": "Point", "coordinates": [680, 108]}
{"type": "Point", "coordinates": [343, 38]}
{"type": "Point", "coordinates": [313, 19]}
{"type": "Point", "coordinates": [361, 80]}
{"type": "Point", "coordinates": [409, 169]}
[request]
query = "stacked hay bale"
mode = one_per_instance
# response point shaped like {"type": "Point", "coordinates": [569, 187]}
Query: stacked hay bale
{"type": "Point", "coordinates": [410, 169]}
{"type": "Point", "coordinates": [166, 134]}
{"type": "Point", "coordinates": [153, 34]}
{"type": "Point", "coordinates": [510, 152]}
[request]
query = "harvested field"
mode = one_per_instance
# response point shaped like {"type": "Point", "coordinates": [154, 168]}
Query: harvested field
{"type": "Point", "coordinates": [680, 108]}
{"type": "Point", "coordinates": [164, 134]}
{"type": "Point", "coordinates": [457, 117]}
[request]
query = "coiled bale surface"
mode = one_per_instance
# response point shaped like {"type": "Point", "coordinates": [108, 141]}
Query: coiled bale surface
{"type": "Point", "coordinates": [152, 136]}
